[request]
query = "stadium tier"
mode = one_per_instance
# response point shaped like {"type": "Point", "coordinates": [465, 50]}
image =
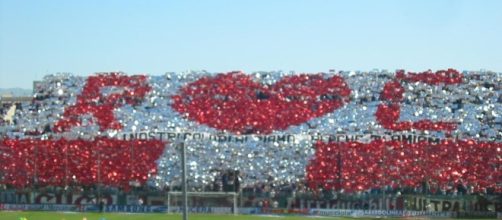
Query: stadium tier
{"type": "Point", "coordinates": [343, 131]}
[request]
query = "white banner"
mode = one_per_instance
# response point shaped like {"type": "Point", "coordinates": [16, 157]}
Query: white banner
{"type": "Point", "coordinates": [379, 213]}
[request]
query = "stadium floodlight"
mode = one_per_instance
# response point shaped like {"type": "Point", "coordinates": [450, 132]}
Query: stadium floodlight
{"type": "Point", "coordinates": [184, 179]}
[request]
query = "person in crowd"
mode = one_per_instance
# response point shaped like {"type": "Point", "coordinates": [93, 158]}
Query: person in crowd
{"type": "Point", "coordinates": [237, 181]}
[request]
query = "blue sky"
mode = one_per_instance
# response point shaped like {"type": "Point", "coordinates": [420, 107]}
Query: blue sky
{"type": "Point", "coordinates": [154, 37]}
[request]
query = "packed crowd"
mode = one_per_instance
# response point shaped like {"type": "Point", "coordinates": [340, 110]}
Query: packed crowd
{"type": "Point", "coordinates": [72, 117]}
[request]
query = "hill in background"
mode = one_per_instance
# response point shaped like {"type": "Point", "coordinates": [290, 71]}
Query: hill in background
{"type": "Point", "coordinates": [15, 92]}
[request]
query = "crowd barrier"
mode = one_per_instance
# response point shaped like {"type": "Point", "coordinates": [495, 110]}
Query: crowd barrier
{"type": "Point", "coordinates": [249, 211]}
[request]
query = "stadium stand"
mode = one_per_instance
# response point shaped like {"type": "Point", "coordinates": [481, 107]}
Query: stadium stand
{"type": "Point", "coordinates": [366, 140]}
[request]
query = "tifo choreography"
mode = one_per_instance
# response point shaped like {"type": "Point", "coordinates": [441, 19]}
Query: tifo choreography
{"type": "Point", "coordinates": [345, 130]}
